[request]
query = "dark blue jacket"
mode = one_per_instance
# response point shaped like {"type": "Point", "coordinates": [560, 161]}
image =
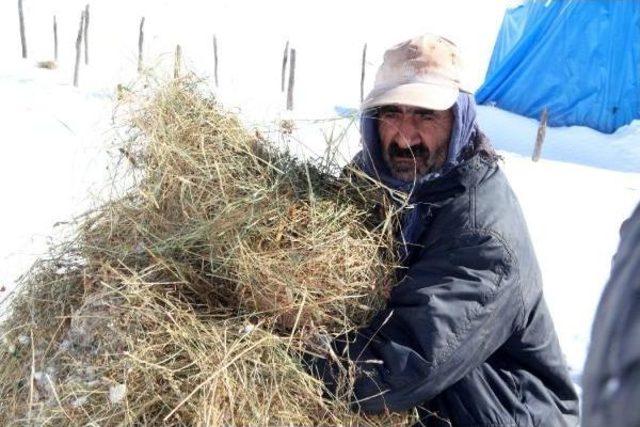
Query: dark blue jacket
{"type": "Point", "coordinates": [466, 335]}
{"type": "Point", "coordinates": [611, 378]}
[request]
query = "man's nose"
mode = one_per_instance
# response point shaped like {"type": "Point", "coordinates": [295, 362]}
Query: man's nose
{"type": "Point", "coordinates": [407, 133]}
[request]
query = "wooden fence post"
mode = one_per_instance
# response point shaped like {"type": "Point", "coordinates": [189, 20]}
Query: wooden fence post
{"type": "Point", "coordinates": [23, 38]}
{"type": "Point", "coordinates": [215, 59]}
{"type": "Point", "coordinates": [140, 44]}
{"type": "Point", "coordinates": [76, 70]}
{"type": "Point", "coordinates": [177, 63]}
{"type": "Point", "coordinates": [292, 79]}
{"type": "Point", "coordinates": [285, 56]}
{"type": "Point", "coordinates": [55, 39]}
{"type": "Point", "coordinates": [86, 34]}
{"type": "Point", "coordinates": [542, 130]}
{"type": "Point", "coordinates": [362, 74]}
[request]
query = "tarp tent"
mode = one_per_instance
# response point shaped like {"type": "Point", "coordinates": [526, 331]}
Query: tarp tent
{"type": "Point", "coordinates": [579, 59]}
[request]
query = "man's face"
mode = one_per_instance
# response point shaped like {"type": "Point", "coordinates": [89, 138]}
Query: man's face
{"type": "Point", "coordinates": [414, 140]}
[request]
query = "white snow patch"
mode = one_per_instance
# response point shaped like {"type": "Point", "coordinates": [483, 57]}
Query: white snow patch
{"type": "Point", "coordinates": [79, 401]}
{"type": "Point", "coordinates": [248, 328]}
{"type": "Point", "coordinates": [117, 393]}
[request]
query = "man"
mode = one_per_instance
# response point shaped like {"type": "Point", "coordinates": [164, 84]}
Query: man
{"type": "Point", "coordinates": [612, 371]}
{"type": "Point", "coordinates": [466, 336]}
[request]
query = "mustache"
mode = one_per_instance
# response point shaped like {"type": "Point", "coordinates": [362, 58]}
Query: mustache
{"type": "Point", "coordinates": [416, 151]}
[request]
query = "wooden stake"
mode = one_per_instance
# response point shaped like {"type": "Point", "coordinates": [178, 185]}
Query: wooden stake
{"type": "Point", "coordinates": [140, 44]}
{"type": "Point", "coordinates": [542, 130]}
{"type": "Point", "coordinates": [285, 55]}
{"type": "Point", "coordinates": [215, 59]}
{"type": "Point", "coordinates": [178, 61]}
{"type": "Point", "coordinates": [76, 70]}
{"type": "Point", "coordinates": [362, 74]}
{"type": "Point", "coordinates": [23, 38]}
{"type": "Point", "coordinates": [55, 38]}
{"type": "Point", "coordinates": [86, 35]}
{"type": "Point", "coordinates": [292, 79]}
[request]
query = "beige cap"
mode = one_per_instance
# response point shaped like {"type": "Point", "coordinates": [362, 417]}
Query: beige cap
{"type": "Point", "coordinates": [421, 72]}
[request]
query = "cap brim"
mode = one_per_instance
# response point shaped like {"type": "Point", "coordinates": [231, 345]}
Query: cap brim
{"type": "Point", "coordinates": [423, 95]}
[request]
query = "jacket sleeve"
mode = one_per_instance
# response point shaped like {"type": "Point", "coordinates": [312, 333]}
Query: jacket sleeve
{"type": "Point", "coordinates": [454, 308]}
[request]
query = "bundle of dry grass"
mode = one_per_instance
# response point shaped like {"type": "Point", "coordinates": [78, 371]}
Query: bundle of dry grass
{"type": "Point", "coordinates": [169, 306]}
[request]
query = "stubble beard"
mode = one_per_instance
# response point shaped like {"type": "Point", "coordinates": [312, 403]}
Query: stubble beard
{"type": "Point", "coordinates": [409, 168]}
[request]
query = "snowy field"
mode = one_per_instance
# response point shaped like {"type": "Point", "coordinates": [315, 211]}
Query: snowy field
{"type": "Point", "coordinates": [54, 157]}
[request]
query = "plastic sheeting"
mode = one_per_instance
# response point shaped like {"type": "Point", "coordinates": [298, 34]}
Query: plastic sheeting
{"type": "Point", "coordinates": [579, 59]}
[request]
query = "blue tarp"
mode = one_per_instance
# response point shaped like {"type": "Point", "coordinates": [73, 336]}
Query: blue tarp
{"type": "Point", "coordinates": [579, 59]}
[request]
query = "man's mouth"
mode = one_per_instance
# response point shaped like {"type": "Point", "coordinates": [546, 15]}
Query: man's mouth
{"type": "Point", "coordinates": [403, 164]}
{"type": "Point", "coordinates": [407, 162]}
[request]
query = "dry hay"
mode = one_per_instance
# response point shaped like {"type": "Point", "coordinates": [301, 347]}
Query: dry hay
{"type": "Point", "coordinates": [169, 304]}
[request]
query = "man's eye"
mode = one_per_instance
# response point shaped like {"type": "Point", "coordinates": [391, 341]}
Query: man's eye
{"type": "Point", "coordinates": [389, 115]}
{"type": "Point", "coordinates": [425, 116]}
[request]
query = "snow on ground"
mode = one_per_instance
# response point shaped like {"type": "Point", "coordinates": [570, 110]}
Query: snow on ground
{"type": "Point", "coordinates": [328, 37]}
{"type": "Point", "coordinates": [619, 151]}
{"type": "Point", "coordinates": [54, 158]}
